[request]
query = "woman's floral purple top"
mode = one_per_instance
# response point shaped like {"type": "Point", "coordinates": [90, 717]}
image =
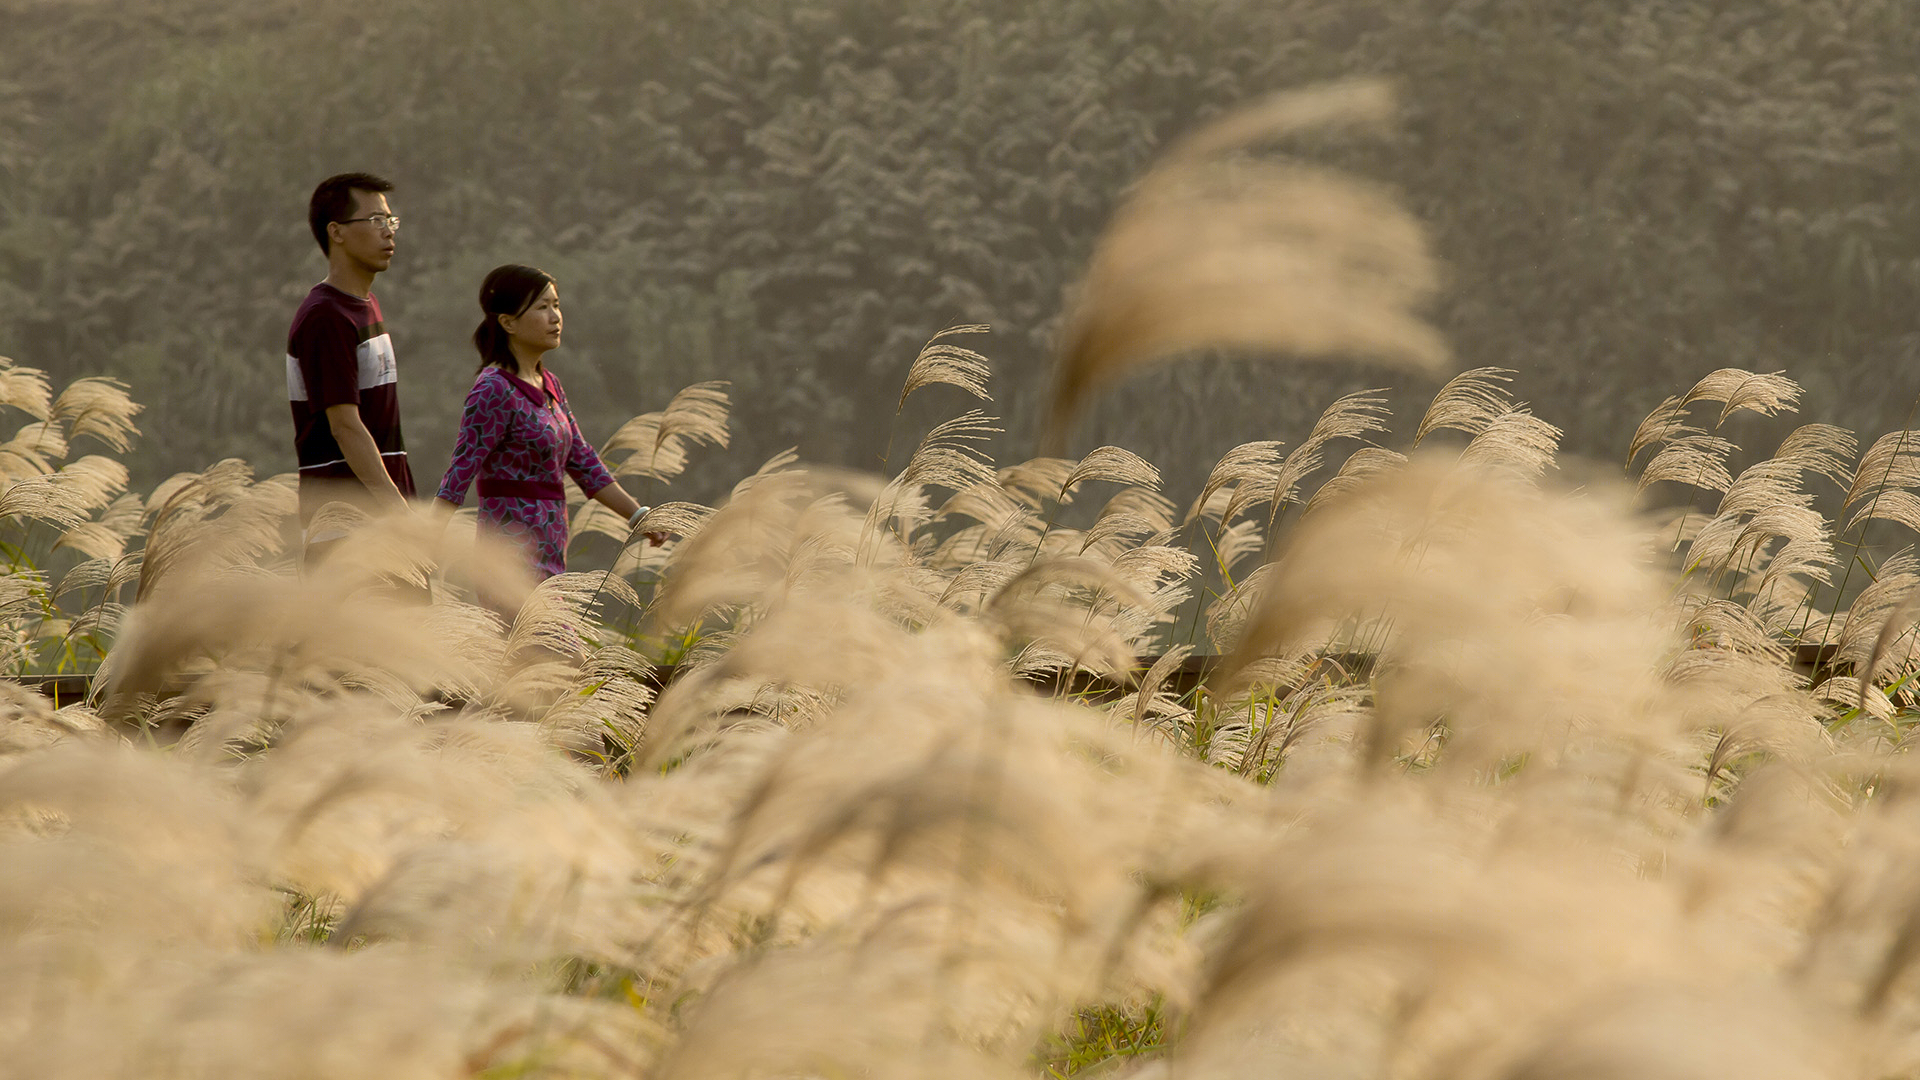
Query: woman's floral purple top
{"type": "Point", "coordinates": [517, 440]}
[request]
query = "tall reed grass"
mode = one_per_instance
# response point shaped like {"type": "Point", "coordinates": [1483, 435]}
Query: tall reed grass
{"type": "Point", "coordinates": [1498, 775]}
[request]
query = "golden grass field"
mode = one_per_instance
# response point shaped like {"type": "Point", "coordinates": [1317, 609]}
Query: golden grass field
{"type": "Point", "coordinates": [1506, 770]}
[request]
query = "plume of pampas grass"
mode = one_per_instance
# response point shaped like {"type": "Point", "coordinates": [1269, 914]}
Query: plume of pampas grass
{"type": "Point", "coordinates": [1821, 449]}
{"type": "Point", "coordinates": [29, 724]}
{"type": "Point", "coordinates": [549, 875]}
{"type": "Point", "coordinates": [883, 1026]}
{"type": "Point", "coordinates": [1332, 909]}
{"type": "Point", "coordinates": [936, 797]}
{"type": "Point", "coordinates": [1733, 659]}
{"type": "Point", "coordinates": [1351, 416]}
{"type": "Point", "coordinates": [610, 700]}
{"type": "Point", "coordinates": [1891, 463]}
{"type": "Point", "coordinates": [1766, 484]}
{"type": "Point", "coordinates": [971, 585]}
{"type": "Point", "coordinates": [33, 450]}
{"type": "Point", "coordinates": [1782, 726]}
{"type": "Point", "coordinates": [1038, 481]}
{"type": "Point", "coordinates": [1636, 1035]}
{"type": "Point", "coordinates": [20, 593]}
{"type": "Point", "coordinates": [1250, 255]}
{"type": "Point", "coordinates": [46, 498]}
{"type": "Point", "coordinates": [1360, 467]}
{"type": "Point", "coordinates": [26, 389]}
{"type": "Point", "coordinates": [377, 552]}
{"type": "Point", "coordinates": [1160, 573]}
{"type": "Point", "coordinates": [1515, 440]}
{"type": "Point", "coordinates": [1354, 416]}
{"type": "Point", "coordinates": [1112, 464]}
{"type": "Point", "coordinates": [551, 618]}
{"type": "Point", "coordinates": [947, 457]}
{"type": "Point", "coordinates": [352, 787]}
{"type": "Point", "coordinates": [403, 1013]}
{"type": "Point", "coordinates": [1481, 790]}
{"type": "Point", "coordinates": [740, 555]}
{"type": "Point", "coordinates": [1849, 692]}
{"type": "Point", "coordinates": [1897, 505]}
{"type": "Point", "coordinates": [1256, 737]}
{"type": "Point", "coordinates": [679, 520]}
{"type": "Point", "coordinates": [1149, 565]}
{"type": "Point", "coordinates": [1145, 503]}
{"type": "Point", "coordinates": [98, 408]}
{"type": "Point", "coordinates": [591, 518]}
{"type": "Point", "coordinates": [1468, 402]}
{"type": "Point", "coordinates": [989, 503]}
{"type": "Point", "coordinates": [655, 444]}
{"type": "Point", "coordinates": [773, 466]}
{"type": "Point", "coordinates": [1236, 542]}
{"type": "Point", "coordinates": [146, 847]}
{"type": "Point", "coordinates": [1117, 527]}
{"type": "Point", "coordinates": [1784, 587]}
{"type": "Point", "coordinates": [1244, 464]}
{"type": "Point", "coordinates": [1881, 614]}
{"type": "Point", "coordinates": [1422, 546]}
{"type": "Point", "coordinates": [298, 628]}
{"type": "Point", "coordinates": [95, 480]}
{"type": "Point", "coordinates": [1053, 602]}
{"type": "Point", "coordinates": [106, 537]}
{"type": "Point", "coordinates": [1737, 390]}
{"type": "Point", "coordinates": [1695, 460]}
{"type": "Point", "coordinates": [1137, 706]}
{"type": "Point", "coordinates": [103, 617]}
{"type": "Point", "coordinates": [212, 518]}
{"type": "Point", "coordinates": [1227, 616]}
{"type": "Point", "coordinates": [1729, 538]}
{"type": "Point", "coordinates": [1666, 422]}
{"type": "Point", "coordinates": [942, 362]}
{"type": "Point", "coordinates": [970, 544]}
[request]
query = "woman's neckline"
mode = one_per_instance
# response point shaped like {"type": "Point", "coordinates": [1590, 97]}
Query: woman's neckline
{"type": "Point", "coordinates": [540, 393]}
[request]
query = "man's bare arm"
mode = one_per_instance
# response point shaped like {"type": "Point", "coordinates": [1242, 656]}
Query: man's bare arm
{"type": "Point", "coordinates": [362, 453]}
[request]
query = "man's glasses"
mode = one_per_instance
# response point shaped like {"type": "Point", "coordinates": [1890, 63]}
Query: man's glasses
{"type": "Point", "coordinates": [386, 222]}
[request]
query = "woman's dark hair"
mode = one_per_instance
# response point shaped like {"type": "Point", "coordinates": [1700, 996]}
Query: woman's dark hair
{"type": "Point", "coordinates": [508, 290]}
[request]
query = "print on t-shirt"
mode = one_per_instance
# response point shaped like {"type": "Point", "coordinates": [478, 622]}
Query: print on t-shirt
{"type": "Point", "coordinates": [373, 363]}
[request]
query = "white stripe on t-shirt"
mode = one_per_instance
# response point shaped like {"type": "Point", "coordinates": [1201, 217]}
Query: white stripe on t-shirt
{"type": "Point", "coordinates": [373, 357]}
{"type": "Point", "coordinates": [343, 461]}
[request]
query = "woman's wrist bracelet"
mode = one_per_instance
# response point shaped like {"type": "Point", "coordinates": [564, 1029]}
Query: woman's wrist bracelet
{"type": "Point", "coordinates": [633, 519]}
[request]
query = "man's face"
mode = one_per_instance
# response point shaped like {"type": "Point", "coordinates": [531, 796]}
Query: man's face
{"type": "Point", "coordinates": [365, 242]}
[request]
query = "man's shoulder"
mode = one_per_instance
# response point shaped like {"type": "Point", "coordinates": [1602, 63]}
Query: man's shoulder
{"type": "Point", "coordinates": [319, 306]}
{"type": "Point", "coordinates": [329, 320]}
{"type": "Point", "coordinates": [327, 304]}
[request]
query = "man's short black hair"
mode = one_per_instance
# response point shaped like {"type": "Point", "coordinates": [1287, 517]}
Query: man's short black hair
{"type": "Point", "coordinates": [333, 201]}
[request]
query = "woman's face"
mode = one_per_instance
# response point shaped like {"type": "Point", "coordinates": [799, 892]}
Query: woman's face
{"type": "Point", "coordinates": [537, 329]}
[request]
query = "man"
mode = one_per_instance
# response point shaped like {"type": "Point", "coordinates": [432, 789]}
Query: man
{"type": "Point", "coordinates": [341, 379]}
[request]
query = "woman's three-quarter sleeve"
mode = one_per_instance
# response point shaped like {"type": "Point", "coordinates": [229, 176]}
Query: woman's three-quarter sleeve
{"type": "Point", "coordinates": [483, 423]}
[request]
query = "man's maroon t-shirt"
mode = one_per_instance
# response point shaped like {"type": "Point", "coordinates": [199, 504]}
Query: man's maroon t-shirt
{"type": "Point", "coordinates": [339, 353]}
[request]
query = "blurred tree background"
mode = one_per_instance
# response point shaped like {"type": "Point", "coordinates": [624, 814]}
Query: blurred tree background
{"type": "Point", "coordinates": [795, 196]}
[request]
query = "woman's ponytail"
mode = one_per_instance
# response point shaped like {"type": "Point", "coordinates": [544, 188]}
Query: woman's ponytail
{"type": "Point", "coordinates": [490, 341]}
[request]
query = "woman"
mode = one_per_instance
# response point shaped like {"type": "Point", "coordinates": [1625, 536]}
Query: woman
{"type": "Point", "coordinates": [517, 436]}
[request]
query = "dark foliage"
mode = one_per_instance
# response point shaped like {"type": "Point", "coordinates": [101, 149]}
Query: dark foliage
{"type": "Point", "coordinates": [795, 197]}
